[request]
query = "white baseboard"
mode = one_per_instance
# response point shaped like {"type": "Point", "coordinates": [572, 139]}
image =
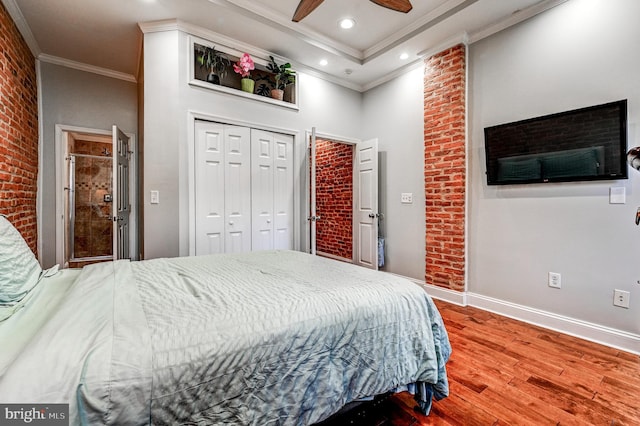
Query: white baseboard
{"type": "Point", "coordinates": [607, 336]}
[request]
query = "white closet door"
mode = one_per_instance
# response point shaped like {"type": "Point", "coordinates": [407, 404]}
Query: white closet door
{"type": "Point", "coordinates": [222, 188]}
{"type": "Point", "coordinates": [209, 188]}
{"type": "Point", "coordinates": [262, 189]}
{"type": "Point", "coordinates": [272, 190]}
{"type": "Point", "coordinates": [283, 192]}
{"type": "Point", "coordinates": [237, 189]}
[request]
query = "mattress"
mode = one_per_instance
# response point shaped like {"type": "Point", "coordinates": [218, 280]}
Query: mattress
{"type": "Point", "coordinates": [275, 337]}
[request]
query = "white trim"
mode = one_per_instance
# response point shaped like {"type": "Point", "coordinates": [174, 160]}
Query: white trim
{"type": "Point", "coordinates": [22, 25]}
{"type": "Point", "coordinates": [192, 116]}
{"type": "Point", "coordinates": [87, 68]}
{"type": "Point", "coordinates": [515, 18]}
{"type": "Point", "coordinates": [40, 178]}
{"type": "Point", "coordinates": [623, 340]}
{"type": "Point", "coordinates": [574, 327]}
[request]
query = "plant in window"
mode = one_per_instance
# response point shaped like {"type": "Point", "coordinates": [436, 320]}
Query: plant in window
{"type": "Point", "coordinates": [283, 76]}
{"type": "Point", "coordinates": [214, 61]}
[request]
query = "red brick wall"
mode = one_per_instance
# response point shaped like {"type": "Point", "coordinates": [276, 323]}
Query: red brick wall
{"type": "Point", "coordinates": [18, 131]}
{"type": "Point", "coordinates": [444, 167]}
{"type": "Point", "coordinates": [334, 198]}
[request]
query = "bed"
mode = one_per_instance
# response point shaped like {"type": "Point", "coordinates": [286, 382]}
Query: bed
{"type": "Point", "coordinates": [273, 337]}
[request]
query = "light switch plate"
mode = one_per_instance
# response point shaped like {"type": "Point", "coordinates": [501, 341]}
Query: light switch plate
{"type": "Point", "coordinates": [617, 195]}
{"type": "Point", "coordinates": [155, 197]}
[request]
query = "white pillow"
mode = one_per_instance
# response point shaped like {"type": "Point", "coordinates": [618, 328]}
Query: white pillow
{"type": "Point", "coordinates": [19, 268]}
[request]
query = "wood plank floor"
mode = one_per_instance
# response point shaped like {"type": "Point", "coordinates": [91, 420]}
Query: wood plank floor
{"type": "Point", "coordinates": [505, 372]}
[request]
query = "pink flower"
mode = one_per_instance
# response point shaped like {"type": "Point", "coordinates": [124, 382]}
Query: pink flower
{"type": "Point", "coordinates": [244, 65]}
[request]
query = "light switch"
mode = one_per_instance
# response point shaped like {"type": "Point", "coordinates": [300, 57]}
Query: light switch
{"type": "Point", "coordinates": [155, 197]}
{"type": "Point", "coordinates": [617, 195]}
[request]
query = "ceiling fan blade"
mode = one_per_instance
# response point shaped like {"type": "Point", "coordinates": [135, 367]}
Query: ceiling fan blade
{"type": "Point", "coordinates": [403, 6]}
{"type": "Point", "coordinates": [304, 8]}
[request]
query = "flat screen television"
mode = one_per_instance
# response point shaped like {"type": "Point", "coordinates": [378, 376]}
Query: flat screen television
{"type": "Point", "coordinates": [579, 145]}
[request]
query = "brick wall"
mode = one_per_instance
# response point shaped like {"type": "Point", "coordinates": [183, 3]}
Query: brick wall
{"type": "Point", "coordinates": [444, 167]}
{"type": "Point", "coordinates": [334, 198]}
{"type": "Point", "coordinates": [18, 131]}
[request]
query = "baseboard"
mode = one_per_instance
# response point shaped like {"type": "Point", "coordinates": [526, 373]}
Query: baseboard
{"type": "Point", "coordinates": [607, 336]}
{"type": "Point", "coordinates": [334, 257]}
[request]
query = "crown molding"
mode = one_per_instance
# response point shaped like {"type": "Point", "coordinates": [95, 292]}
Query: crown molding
{"type": "Point", "coordinates": [50, 59]}
{"type": "Point", "coordinates": [23, 27]}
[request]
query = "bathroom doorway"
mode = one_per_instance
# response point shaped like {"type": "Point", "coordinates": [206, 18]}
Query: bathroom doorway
{"type": "Point", "coordinates": [95, 200]}
{"type": "Point", "coordinates": [89, 236]}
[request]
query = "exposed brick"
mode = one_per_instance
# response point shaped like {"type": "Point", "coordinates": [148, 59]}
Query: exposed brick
{"type": "Point", "coordinates": [445, 168]}
{"type": "Point", "coordinates": [334, 198]}
{"type": "Point", "coordinates": [18, 131]}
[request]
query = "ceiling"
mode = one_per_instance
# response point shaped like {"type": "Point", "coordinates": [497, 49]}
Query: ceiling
{"type": "Point", "coordinates": [104, 36]}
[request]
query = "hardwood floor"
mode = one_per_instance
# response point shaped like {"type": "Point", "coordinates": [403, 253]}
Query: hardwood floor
{"type": "Point", "coordinates": [504, 371]}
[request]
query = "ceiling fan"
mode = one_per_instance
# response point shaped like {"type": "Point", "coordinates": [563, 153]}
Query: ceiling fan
{"type": "Point", "coordinates": [305, 7]}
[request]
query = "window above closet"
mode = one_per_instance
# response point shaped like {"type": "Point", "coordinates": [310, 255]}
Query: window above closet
{"type": "Point", "coordinates": [217, 67]}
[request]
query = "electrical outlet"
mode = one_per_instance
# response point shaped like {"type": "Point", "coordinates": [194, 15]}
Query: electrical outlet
{"type": "Point", "coordinates": [555, 280]}
{"type": "Point", "coordinates": [406, 197]}
{"type": "Point", "coordinates": [621, 298]}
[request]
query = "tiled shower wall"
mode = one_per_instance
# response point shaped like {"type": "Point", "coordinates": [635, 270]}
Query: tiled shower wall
{"type": "Point", "coordinates": [93, 234]}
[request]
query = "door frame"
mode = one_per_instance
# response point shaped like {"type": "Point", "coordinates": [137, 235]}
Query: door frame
{"type": "Point", "coordinates": [338, 139]}
{"type": "Point", "coordinates": [61, 153]}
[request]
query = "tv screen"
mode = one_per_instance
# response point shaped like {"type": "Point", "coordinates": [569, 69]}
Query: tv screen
{"type": "Point", "coordinates": [583, 144]}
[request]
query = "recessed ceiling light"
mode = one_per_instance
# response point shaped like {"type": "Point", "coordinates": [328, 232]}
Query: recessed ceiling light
{"type": "Point", "coordinates": [404, 56]}
{"type": "Point", "coordinates": [324, 62]}
{"type": "Point", "coordinates": [347, 23]}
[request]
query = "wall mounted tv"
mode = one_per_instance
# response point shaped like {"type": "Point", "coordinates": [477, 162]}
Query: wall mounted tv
{"type": "Point", "coordinates": [583, 144]}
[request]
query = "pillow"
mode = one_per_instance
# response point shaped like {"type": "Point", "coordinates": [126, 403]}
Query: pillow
{"type": "Point", "coordinates": [19, 268]}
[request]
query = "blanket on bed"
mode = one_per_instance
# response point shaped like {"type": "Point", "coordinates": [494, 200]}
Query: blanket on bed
{"type": "Point", "coordinates": [275, 337]}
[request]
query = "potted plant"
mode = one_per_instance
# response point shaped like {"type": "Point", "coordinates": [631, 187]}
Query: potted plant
{"type": "Point", "coordinates": [244, 66]}
{"type": "Point", "coordinates": [283, 76]}
{"type": "Point", "coordinates": [214, 61]}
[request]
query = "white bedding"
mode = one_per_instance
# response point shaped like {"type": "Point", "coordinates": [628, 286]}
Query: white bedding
{"type": "Point", "coordinates": [274, 337]}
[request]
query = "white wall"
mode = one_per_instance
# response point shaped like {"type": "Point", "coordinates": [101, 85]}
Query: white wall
{"type": "Point", "coordinates": [393, 113]}
{"type": "Point", "coordinates": [581, 53]}
{"type": "Point", "coordinates": [81, 99]}
{"type": "Point", "coordinates": [169, 100]}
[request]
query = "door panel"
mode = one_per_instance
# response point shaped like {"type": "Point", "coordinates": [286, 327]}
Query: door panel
{"type": "Point", "coordinates": [367, 204]}
{"type": "Point", "coordinates": [237, 192]}
{"type": "Point", "coordinates": [262, 189]}
{"type": "Point", "coordinates": [122, 205]}
{"type": "Point", "coordinates": [210, 219]}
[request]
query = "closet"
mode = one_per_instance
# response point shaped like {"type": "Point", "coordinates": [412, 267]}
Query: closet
{"type": "Point", "coordinates": [243, 189]}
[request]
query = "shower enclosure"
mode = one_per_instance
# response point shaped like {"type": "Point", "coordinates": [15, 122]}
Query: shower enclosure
{"type": "Point", "coordinates": [89, 203]}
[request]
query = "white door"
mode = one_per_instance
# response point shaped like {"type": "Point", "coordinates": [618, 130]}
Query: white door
{"type": "Point", "coordinates": [222, 187]}
{"type": "Point", "coordinates": [237, 189]}
{"type": "Point", "coordinates": [313, 217]}
{"type": "Point", "coordinates": [122, 204]}
{"type": "Point", "coordinates": [209, 186]}
{"type": "Point", "coordinates": [271, 190]}
{"type": "Point", "coordinates": [262, 189]}
{"type": "Point", "coordinates": [366, 228]}
{"type": "Point", "coordinates": [283, 192]}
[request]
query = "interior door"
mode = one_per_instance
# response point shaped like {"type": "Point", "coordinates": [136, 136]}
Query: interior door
{"type": "Point", "coordinates": [366, 214]}
{"type": "Point", "coordinates": [122, 204]}
{"type": "Point", "coordinates": [312, 192]}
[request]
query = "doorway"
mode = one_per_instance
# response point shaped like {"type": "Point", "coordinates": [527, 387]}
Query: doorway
{"type": "Point", "coordinates": [95, 202]}
{"type": "Point", "coordinates": [343, 210]}
{"type": "Point", "coordinates": [89, 236]}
